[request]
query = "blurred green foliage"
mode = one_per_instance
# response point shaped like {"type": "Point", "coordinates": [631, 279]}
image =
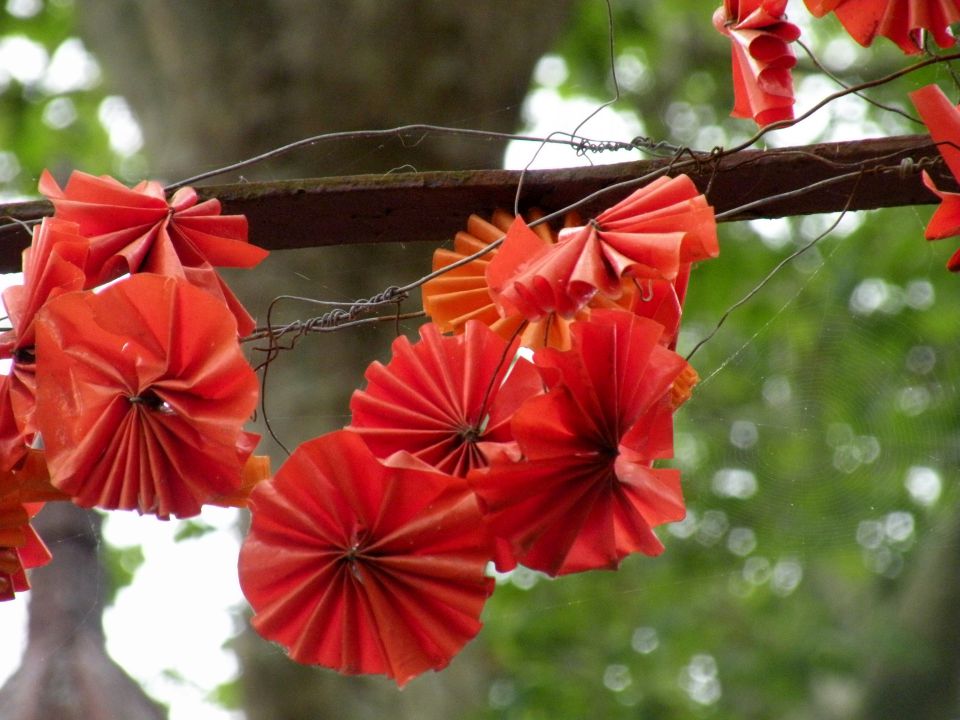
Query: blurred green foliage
{"type": "Point", "coordinates": [50, 98]}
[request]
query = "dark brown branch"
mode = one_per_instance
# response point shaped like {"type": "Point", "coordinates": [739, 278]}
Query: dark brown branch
{"type": "Point", "coordinates": [432, 206]}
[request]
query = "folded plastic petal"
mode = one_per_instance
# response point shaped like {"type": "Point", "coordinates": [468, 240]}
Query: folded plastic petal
{"type": "Point", "coordinates": [942, 118]}
{"type": "Point", "coordinates": [585, 495]}
{"type": "Point", "coordinates": [653, 234]}
{"type": "Point", "coordinates": [762, 58]}
{"type": "Point", "coordinates": [20, 546]}
{"type": "Point", "coordinates": [462, 294]}
{"type": "Point", "coordinates": [365, 567]}
{"type": "Point", "coordinates": [142, 393]}
{"type": "Point", "coordinates": [52, 265]}
{"type": "Point", "coordinates": [135, 230]}
{"type": "Point", "coordinates": [902, 21]}
{"type": "Point", "coordinates": [444, 399]}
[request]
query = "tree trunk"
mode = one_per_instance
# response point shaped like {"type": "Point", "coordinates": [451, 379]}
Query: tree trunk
{"type": "Point", "coordinates": [65, 672]}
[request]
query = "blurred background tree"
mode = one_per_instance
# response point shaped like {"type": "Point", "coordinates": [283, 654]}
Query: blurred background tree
{"type": "Point", "coordinates": [816, 572]}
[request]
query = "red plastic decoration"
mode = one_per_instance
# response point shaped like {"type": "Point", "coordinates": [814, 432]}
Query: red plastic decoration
{"type": "Point", "coordinates": [52, 265]}
{"type": "Point", "coordinates": [943, 120]}
{"type": "Point", "coordinates": [585, 494]}
{"type": "Point", "coordinates": [364, 567]}
{"type": "Point", "coordinates": [20, 546]}
{"type": "Point", "coordinates": [135, 230]}
{"type": "Point", "coordinates": [902, 21]}
{"type": "Point", "coordinates": [650, 235]}
{"type": "Point", "coordinates": [444, 399]}
{"type": "Point", "coordinates": [462, 294]}
{"type": "Point", "coordinates": [142, 393]}
{"type": "Point", "coordinates": [762, 58]}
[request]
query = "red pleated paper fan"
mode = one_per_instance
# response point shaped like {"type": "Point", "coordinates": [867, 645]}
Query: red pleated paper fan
{"type": "Point", "coordinates": [365, 567]}
{"type": "Point", "coordinates": [585, 494]}
{"type": "Point", "coordinates": [651, 235]}
{"type": "Point", "coordinates": [942, 118]}
{"type": "Point", "coordinates": [762, 58]}
{"type": "Point", "coordinates": [142, 393]}
{"type": "Point", "coordinates": [20, 546]}
{"type": "Point", "coordinates": [52, 265]}
{"type": "Point", "coordinates": [444, 399]}
{"type": "Point", "coordinates": [136, 230]}
{"type": "Point", "coordinates": [902, 21]}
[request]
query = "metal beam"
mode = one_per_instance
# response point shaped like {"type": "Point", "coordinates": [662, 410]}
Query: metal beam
{"type": "Point", "coordinates": [432, 206]}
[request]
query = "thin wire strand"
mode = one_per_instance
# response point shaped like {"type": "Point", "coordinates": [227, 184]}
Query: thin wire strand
{"type": "Point", "coordinates": [822, 68]}
{"type": "Point", "coordinates": [770, 275]}
{"type": "Point", "coordinates": [588, 118]}
{"type": "Point", "coordinates": [399, 131]}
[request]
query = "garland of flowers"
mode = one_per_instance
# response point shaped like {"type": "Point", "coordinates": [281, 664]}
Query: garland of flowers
{"type": "Point", "coordinates": [370, 549]}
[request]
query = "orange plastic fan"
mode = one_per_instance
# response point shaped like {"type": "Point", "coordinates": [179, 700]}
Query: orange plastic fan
{"type": "Point", "coordinates": [142, 393]}
{"type": "Point", "coordinates": [762, 58]}
{"type": "Point", "coordinates": [462, 294]}
{"type": "Point", "coordinates": [365, 567]}
{"type": "Point", "coordinates": [585, 495]}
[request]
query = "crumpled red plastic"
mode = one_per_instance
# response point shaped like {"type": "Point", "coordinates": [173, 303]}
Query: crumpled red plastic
{"type": "Point", "coordinates": [585, 494]}
{"type": "Point", "coordinates": [142, 393]}
{"type": "Point", "coordinates": [365, 567]}
{"type": "Point", "coordinates": [762, 58]}
{"type": "Point", "coordinates": [52, 265]}
{"type": "Point", "coordinates": [20, 547]}
{"type": "Point", "coordinates": [902, 21]}
{"type": "Point", "coordinates": [444, 399]}
{"type": "Point", "coordinates": [650, 235]}
{"type": "Point", "coordinates": [942, 118]}
{"type": "Point", "coordinates": [136, 230]}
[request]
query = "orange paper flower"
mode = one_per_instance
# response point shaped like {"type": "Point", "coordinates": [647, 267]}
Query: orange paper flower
{"type": "Point", "coordinates": [585, 495]}
{"type": "Point", "coordinates": [136, 230]}
{"type": "Point", "coordinates": [142, 393]}
{"type": "Point", "coordinates": [444, 399]}
{"type": "Point", "coordinates": [902, 21]}
{"type": "Point", "coordinates": [762, 58]}
{"type": "Point", "coordinates": [650, 235]}
{"type": "Point", "coordinates": [364, 567]}
{"type": "Point", "coordinates": [943, 120]}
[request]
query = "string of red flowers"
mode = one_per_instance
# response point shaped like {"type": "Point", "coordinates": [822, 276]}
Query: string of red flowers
{"type": "Point", "coordinates": [127, 386]}
{"type": "Point", "coordinates": [369, 549]}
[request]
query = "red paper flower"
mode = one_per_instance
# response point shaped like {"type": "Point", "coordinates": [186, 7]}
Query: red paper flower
{"type": "Point", "coordinates": [902, 21]}
{"type": "Point", "coordinates": [52, 265]}
{"type": "Point", "coordinates": [943, 120]}
{"type": "Point", "coordinates": [762, 58]}
{"type": "Point", "coordinates": [364, 567]}
{"type": "Point", "coordinates": [142, 393]}
{"type": "Point", "coordinates": [443, 399]}
{"type": "Point", "coordinates": [135, 230]}
{"type": "Point", "coordinates": [650, 235]}
{"type": "Point", "coordinates": [20, 546]}
{"type": "Point", "coordinates": [585, 494]}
